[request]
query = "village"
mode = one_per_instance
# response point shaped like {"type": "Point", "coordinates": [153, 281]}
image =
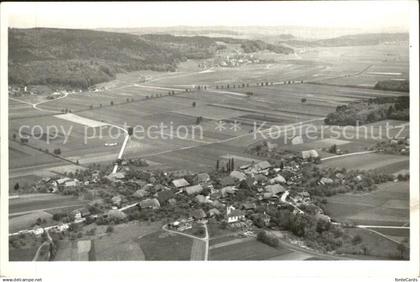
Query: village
{"type": "Point", "coordinates": [285, 193]}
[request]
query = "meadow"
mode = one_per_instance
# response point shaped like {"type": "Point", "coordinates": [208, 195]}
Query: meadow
{"type": "Point", "coordinates": [388, 205]}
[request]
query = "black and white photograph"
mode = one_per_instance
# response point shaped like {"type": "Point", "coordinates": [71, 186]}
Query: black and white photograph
{"type": "Point", "coordinates": [214, 132]}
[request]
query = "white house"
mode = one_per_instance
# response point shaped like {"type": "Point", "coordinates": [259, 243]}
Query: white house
{"type": "Point", "coordinates": [310, 154]}
{"type": "Point", "coordinates": [234, 215]}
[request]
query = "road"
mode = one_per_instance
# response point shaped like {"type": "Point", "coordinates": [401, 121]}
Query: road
{"type": "Point", "coordinates": [343, 75]}
{"type": "Point", "coordinates": [38, 251]}
{"type": "Point", "coordinates": [371, 227]}
{"type": "Point", "coordinates": [35, 106]}
{"type": "Point", "coordinates": [120, 154]}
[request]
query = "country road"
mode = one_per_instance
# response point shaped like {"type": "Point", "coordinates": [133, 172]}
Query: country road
{"type": "Point", "coordinates": [38, 251]}
{"type": "Point", "coordinates": [35, 106]}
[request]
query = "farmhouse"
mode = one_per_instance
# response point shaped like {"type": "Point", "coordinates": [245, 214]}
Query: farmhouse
{"type": "Point", "coordinates": [263, 165]}
{"type": "Point", "coordinates": [260, 178]}
{"type": "Point", "coordinates": [326, 180]}
{"type": "Point", "coordinates": [72, 183]}
{"type": "Point", "coordinates": [180, 225]}
{"type": "Point", "coordinates": [278, 179]}
{"type": "Point", "coordinates": [150, 204]}
{"type": "Point", "coordinates": [234, 215]}
{"type": "Point", "coordinates": [237, 175]}
{"type": "Point", "coordinates": [297, 140]}
{"type": "Point", "coordinates": [310, 154]}
{"type": "Point", "coordinates": [202, 178]}
{"type": "Point", "coordinates": [140, 193]}
{"type": "Point", "coordinates": [116, 176]}
{"type": "Point", "coordinates": [323, 217]}
{"type": "Point", "coordinates": [179, 183]}
{"type": "Point", "coordinates": [228, 190]}
{"type": "Point", "coordinates": [227, 181]}
{"type": "Point", "coordinates": [195, 189]}
{"type": "Point", "coordinates": [201, 199]}
{"type": "Point", "coordinates": [116, 214]}
{"type": "Point", "coordinates": [62, 180]}
{"type": "Point", "coordinates": [165, 196]}
{"type": "Point", "coordinates": [274, 189]}
{"type": "Point", "coordinates": [214, 212]}
{"type": "Point", "coordinates": [116, 200]}
{"type": "Point", "coordinates": [80, 213]}
{"type": "Point", "coordinates": [268, 195]}
{"type": "Point", "coordinates": [159, 187]}
{"type": "Point", "coordinates": [198, 214]}
{"type": "Point", "coordinates": [249, 206]}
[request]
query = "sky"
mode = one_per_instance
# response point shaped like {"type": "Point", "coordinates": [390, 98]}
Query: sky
{"type": "Point", "coordinates": [368, 15]}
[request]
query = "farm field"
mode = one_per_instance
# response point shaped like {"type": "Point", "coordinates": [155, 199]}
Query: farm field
{"type": "Point", "coordinates": [248, 250]}
{"type": "Point", "coordinates": [388, 206]}
{"type": "Point", "coordinates": [375, 245]}
{"type": "Point", "coordinates": [26, 221]}
{"type": "Point", "coordinates": [122, 244]}
{"type": "Point", "coordinates": [35, 202]}
{"type": "Point", "coordinates": [166, 246]}
{"type": "Point", "coordinates": [20, 156]}
{"type": "Point", "coordinates": [375, 161]}
{"type": "Point", "coordinates": [360, 65]}
{"type": "Point", "coordinates": [23, 254]}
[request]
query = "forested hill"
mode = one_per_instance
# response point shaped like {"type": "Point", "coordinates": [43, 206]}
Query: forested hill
{"type": "Point", "coordinates": [203, 47]}
{"type": "Point", "coordinates": [81, 58]}
{"type": "Point", "coordinates": [351, 40]}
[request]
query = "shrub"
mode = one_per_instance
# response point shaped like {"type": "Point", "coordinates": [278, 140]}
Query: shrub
{"type": "Point", "coordinates": [268, 239]}
{"type": "Point", "coordinates": [356, 239]}
{"type": "Point", "coordinates": [110, 229]}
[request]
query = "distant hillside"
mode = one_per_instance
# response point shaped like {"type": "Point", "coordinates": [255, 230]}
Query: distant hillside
{"type": "Point", "coordinates": [199, 47]}
{"type": "Point", "coordinates": [80, 58]}
{"type": "Point", "coordinates": [350, 40]}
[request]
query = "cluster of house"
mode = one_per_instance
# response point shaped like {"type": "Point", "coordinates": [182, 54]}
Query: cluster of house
{"type": "Point", "coordinates": [78, 216]}
{"type": "Point", "coordinates": [214, 194]}
{"type": "Point", "coordinates": [19, 91]}
{"type": "Point", "coordinates": [230, 61]}
{"type": "Point", "coordinates": [96, 89]}
{"type": "Point", "coordinates": [203, 191]}
{"type": "Point", "coordinates": [237, 60]}
{"type": "Point", "coordinates": [401, 145]}
{"type": "Point", "coordinates": [272, 189]}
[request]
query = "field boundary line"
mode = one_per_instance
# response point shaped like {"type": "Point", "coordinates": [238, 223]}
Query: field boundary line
{"type": "Point", "coordinates": [347, 155]}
